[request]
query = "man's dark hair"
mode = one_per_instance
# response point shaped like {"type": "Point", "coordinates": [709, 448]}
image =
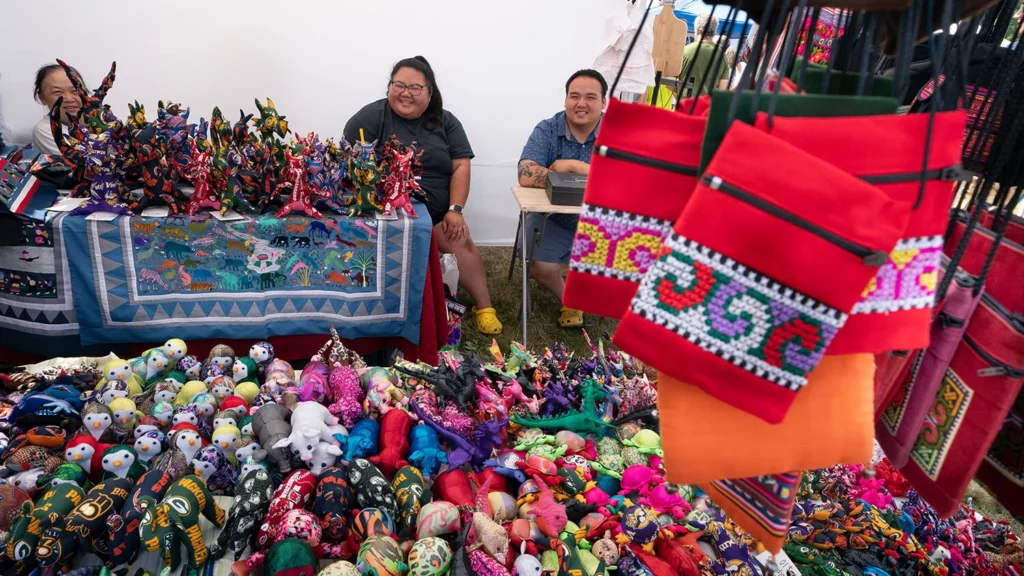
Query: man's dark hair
{"type": "Point", "coordinates": [588, 73]}
{"type": "Point", "coordinates": [45, 71]}
{"type": "Point", "coordinates": [435, 110]}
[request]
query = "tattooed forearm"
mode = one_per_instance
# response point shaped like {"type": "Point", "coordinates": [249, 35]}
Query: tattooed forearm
{"type": "Point", "coordinates": [532, 174]}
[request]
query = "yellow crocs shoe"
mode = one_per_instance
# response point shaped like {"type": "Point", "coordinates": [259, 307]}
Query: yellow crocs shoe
{"type": "Point", "coordinates": [570, 317]}
{"type": "Point", "coordinates": [487, 321]}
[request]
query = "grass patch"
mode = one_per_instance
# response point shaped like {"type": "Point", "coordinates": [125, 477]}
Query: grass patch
{"type": "Point", "coordinates": [543, 328]}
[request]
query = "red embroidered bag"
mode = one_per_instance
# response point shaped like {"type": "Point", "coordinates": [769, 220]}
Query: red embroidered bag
{"type": "Point", "coordinates": [895, 311]}
{"type": "Point", "coordinates": [760, 272]}
{"type": "Point", "coordinates": [900, 422]}
{"type": "Point", "coordinates": [642, 173]}
{"type": "Point", "coordinates": [976, 394]}
{"type": "Point", "coordinates": [890, 370]}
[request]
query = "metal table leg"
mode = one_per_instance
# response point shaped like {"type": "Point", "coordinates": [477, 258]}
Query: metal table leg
{"type": "Point", "coordinates": [526, 264]}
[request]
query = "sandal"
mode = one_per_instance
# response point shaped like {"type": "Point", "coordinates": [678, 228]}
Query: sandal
{"type": "Point", "coordinates": [570, 318]}
{"type": "Point", "coordinates": [487, 321]}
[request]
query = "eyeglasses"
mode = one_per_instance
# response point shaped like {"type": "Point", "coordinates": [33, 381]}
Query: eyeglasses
{"type": "Point", "coordinates": [399, 87]}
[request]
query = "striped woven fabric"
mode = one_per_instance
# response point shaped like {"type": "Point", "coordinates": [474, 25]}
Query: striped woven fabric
{"type": "Point", "coordinates": [762, 506]}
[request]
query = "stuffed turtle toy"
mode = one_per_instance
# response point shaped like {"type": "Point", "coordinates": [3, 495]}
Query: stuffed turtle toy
{"type": "Point", "coordinates": [56, 503]}
{"type": "Point", "coordinates": [175, 521]}
{"type": "Point", "coordinates": [370, 487]}
{"type": "Point", "coordinates": [86, 525]}
{"type": "Point", "coordinates": [252, 500]}
{"type": "Point", "coordinates": [123, 526]}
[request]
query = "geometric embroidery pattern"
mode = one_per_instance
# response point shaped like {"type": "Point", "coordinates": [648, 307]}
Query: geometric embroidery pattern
{"type": "Point", "coordinates": [616, 244]}
{"type": "Point", "coordinates": [736, 313]}
{"type": "Point", "coordinates": [907, 280]}
{"type": "Point", "coordinates": [941, 424]}
{"type": "Point", "coordinates": [768, 500]}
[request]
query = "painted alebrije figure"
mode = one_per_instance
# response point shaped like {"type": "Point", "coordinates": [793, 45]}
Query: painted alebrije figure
{"type": "Point", "coordinates": [365, 176]}
{"type": "Point", "coordinates": [318, 178]}
{"type": "Point", "coordinates": [200, 173]}
{"type": "Point", "coordinates": [294, 179]}
{"type": "Point", "coordinates": [159, 186]}
{"type": "Point", "coordinates": [401, 167]}
{"type": "Point", "coordinates": [101, 161]}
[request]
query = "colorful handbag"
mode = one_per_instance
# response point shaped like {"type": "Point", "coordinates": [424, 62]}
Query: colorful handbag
{"type": "Point", "coordinates": [980, 386]}
{"type": "Point", "coordinates": [835, 405]}
{"type": "Point", "coordinates": [895, 311]}
{"type": "Point", "coordinates": [1014, 229]}
{"type": "Point", "coordinates": [762, 506]}
{"type": "Point", "coordinates": [762, 268]}
{"type": "Point", "coordinates": [900, 422]}
{"type": "Point", "coordinates": [643, 171]}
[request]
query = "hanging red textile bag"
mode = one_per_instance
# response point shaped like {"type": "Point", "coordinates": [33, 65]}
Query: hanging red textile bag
{"type": "Point", "coordinates": [969, 409]}
{"type": "Point", "coordinates": [760, 272]}
{"type": "Point", "coordinates": [900, 422]}
{"type": "Point", "coordinates": [1003, 282]}
{"type": "Point", "coordinates": [891, 368]}
{"type": "Point", "coordinates": [642, 173]}
{"type": "Point", "coordinates": [895, 310]}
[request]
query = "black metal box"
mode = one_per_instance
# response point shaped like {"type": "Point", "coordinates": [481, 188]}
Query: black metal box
{"type": "Point", "coordinates": [566, 189]}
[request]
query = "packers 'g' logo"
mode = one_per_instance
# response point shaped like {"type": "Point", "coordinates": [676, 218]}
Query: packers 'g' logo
{"type": "Point", "coordinates": [179, 505]}
{"type": "Point", "coordinates": [22, 550]}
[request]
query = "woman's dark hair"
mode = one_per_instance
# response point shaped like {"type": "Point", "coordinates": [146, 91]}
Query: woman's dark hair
{"type": "Point", "coordinates": [435, 110]}
{"type": "Point", "coordinates": [45, 71]}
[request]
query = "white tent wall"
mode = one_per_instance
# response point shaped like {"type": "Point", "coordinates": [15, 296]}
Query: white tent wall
{"type": "Point", "coordinates": [501, 67]}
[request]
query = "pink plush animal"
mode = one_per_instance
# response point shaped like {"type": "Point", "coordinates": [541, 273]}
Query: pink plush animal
{"type": "Point", "coordinates": [666, 502]}
{"type": "Point", "coordinates": [549, 515]}
{"type": "Point", "coordinates": [347, 392]}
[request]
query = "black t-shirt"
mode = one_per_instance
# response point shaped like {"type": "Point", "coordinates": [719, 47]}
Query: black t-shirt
{"type": "Point", "coordinates": [440, 144]}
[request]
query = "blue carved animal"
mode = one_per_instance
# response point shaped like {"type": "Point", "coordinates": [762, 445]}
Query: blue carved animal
{"type": "Point", "coordinates": [362, 440]}
{"type": "Point", "coordinates": [177, 251]}
{"type": "Point", "coordinates": [425, 450]}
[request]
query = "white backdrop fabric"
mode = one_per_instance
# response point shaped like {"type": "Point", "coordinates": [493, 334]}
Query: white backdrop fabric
{"type": "Point", "coordinates": [501, 67]}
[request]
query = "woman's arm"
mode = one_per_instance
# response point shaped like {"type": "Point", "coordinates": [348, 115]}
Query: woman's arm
{"type": "Point", "coordinates": [454, 225]}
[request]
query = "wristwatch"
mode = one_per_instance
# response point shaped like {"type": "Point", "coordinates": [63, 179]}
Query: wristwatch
{"type": "Point", "coordinates": [457, 208]}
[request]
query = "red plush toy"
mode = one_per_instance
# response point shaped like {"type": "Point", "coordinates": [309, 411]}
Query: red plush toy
{"type": "Point", "coordinates": [454, 486]}
{"type": "Point", "coordinates": [295, 492]}
{"type": "Point", "coordinates": [394, 438]}
{"type": "Point", "coordinates": [498, 482]}
{"type": "Point", "coordinates": [676, 555]}
{"type": "Point", "coordinates": [655, 564]}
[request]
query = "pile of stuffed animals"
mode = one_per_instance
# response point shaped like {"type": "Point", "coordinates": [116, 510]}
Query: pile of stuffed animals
{"type": "Point", "coordinates": [104, 158]}
{"type": "Point", "coordinates": [521, 464]}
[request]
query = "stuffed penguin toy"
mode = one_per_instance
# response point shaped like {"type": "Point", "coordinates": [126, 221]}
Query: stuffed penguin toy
{"type": "Point", "coordinates": [212, 466]}
{"type": "Point", "coordinates": [227, 439]}
{"type": "Point", "coordinates": [163, 412]}
{"type": "Point", "coordinates": [263, 354]}
{"type": "Point", "coordinates": [224, 417]}
{"type": "Point", "coordinates": [206, 406]}
{"type": "Point", "coordinates": [247, 391]}
{"type": "Point", "coordinates": [114, 389]}
{"type": "Point", "coordinates": [85, 451]}
{"type": "Point", "coordinates": [245, 370]}
{"type": "Point", "coordinates": [125, 413]}
{"type": "Point", "coordinates": [115, 370]}
{"type": "Point", "coordinates": [162, 391]}
{"type": "Point", "coordinates": [211, 371]}
{"type": "Point", "coordinates": [151, 366]}
{"type": "Point", "coordinates": [222, 388]}
{"type": "Point", "coordinates": [122, 462]}
{"type": "Point", "coordinates": [246, 427]}
{"type": "Point", "coordinates": [221, 356]}
{"type": "Point", "coordinates": [188, 392]}
{"type": "Point", "coordinates": [190, 366]}
{"type": "Point", "coordinates": [149, 445]}
{"type": "Point", "coordinates": [247, 446]}
{"type": "Point", "coordinates": [96, 420]}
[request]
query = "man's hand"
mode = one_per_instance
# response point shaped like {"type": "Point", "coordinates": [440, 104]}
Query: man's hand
{"type": "Point", "coordinates": [454, 226]}
{"type": "Point", "coordinates": [570, 167]}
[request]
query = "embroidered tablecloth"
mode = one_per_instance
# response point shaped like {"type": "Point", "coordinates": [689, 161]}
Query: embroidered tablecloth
{"type": "Point", "coordinates": [150, 279]}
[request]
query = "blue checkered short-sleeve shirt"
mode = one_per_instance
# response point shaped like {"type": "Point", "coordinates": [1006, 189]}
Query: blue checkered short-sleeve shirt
{"type": "Point", "coordinates": [551, 140]}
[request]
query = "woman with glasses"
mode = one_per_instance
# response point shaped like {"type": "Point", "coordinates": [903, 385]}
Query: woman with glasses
{"type": "Point", "coordinates": [413, 112]}
{"type": "Point", "coordinates": [53, 83]}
